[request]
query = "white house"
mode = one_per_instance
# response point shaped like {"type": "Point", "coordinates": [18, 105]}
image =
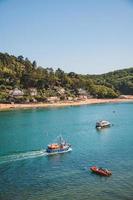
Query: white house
{"type": "Point", "coordinates": [16, 92]}
{"type": "Point", "coordinates": [53, 99]}
{"type": "Point", "coordinates": [33, 91]}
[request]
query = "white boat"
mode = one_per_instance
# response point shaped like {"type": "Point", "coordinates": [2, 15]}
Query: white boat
{"type": "Point", "coordinates": [60, 147]}
{"type": "Point", "coordinates": [103, 124]}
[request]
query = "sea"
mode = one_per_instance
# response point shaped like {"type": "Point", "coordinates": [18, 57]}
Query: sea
{"type": "Point", "coordinates": [27, 173]}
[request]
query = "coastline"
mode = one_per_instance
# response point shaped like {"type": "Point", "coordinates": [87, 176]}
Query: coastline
{"type": "Point", "coordinates": [64, 103]}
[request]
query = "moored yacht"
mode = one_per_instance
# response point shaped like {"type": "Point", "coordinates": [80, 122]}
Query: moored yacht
{"type": "Point", "coordinates": [103, 124]}
{"type": "Point", "coordinates": [60, 147]}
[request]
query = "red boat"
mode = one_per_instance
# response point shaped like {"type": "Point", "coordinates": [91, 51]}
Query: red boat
{"type": "Point", "coordinates": [101, 171]}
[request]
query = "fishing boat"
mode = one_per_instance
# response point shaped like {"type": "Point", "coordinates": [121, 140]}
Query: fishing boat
{"type": "Point", "coordinates": [101, 171]}
{"type": "Point", "coordinates": [60, 147]}
{"type": "Point", "coordinates": [102, 124]}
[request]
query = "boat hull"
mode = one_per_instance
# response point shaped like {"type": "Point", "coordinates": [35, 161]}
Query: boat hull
{"type": "Point", "coordinates": [100, 127]}
{"type": "Point", "coordinates": [103, 124]}
{"type": "Point", "coordinates": [100, 172]}
{"type": "Point", "coordinates": [59, 151]}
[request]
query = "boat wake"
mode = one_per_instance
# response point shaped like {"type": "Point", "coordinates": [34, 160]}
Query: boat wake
{"type": "Point", "coordinates": [22, 156]}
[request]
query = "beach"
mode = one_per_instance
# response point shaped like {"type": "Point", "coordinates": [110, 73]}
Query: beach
{"type": "Point", "coordinates": [65, 103]}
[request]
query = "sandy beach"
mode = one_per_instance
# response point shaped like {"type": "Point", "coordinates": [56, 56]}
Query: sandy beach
{"type": "Point", "coordinates": [65, 103]}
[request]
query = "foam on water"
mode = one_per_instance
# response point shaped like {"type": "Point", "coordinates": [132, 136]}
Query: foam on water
{"type": "Point", "coordinates": [22, 156]}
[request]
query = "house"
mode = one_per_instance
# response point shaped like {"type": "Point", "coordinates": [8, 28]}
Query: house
{"type": "Point", "coordinates": [82, 92]}
{"type": "Point", "coordinates": [70, 98]}
{"type": "Point", "coordinates": [53, 99]}
{"type": "Point", "coordinates": [16, 93]}
{"type": "Point", "coordinates": [33, 92]}
{"type": "Point", "coordinates": [82, 97]}
{"type": "Point", "coordinates": [59, 90]}
{"type": "Point", "coordinates": [34, 100]}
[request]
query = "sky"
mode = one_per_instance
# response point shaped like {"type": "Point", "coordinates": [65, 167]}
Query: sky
{"type": "Point", "coordinates": [84, 36]}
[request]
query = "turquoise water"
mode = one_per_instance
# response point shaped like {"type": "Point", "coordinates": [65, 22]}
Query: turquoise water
{"type": "Point", "coordinates": [26, 173]}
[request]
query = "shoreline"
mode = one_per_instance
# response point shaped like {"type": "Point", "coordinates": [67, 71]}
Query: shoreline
{"type": "Point", "coordinates": [64, 103]}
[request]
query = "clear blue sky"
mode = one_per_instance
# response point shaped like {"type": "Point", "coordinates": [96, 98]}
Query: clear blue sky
{"type": "Point", "coordinates": [84, 36]}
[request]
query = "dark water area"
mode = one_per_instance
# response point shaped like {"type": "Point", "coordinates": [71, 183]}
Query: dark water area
{"type": "Point", "coordinates": [26, 173]}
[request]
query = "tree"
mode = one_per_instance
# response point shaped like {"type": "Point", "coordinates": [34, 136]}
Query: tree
{"type": "Point", "coordinates": [20, 58]}
{"type": "Point", "coordinates": [34, 64]}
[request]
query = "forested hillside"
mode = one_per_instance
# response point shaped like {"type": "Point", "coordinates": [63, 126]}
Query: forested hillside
{"type": "Point", "coordinates": [23, 81]}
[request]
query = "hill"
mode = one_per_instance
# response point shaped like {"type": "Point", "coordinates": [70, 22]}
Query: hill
{"type": "Point", "coordinates": [23, 81]}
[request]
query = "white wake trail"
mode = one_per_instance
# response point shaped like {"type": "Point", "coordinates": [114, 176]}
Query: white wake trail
{"type": "Point", "coordinates": [22, 156]}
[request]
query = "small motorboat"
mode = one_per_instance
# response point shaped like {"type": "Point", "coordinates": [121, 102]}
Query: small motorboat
{"type": "Point", "coordinates": [60, 147]}
{"type": "Point", "coordinates": [101, 171]}
{"type": "Point", "coordinates": [102, 124]}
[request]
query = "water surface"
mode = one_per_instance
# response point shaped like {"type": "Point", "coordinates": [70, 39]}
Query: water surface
{"type": "Point", "coordinates": [26, 173]}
